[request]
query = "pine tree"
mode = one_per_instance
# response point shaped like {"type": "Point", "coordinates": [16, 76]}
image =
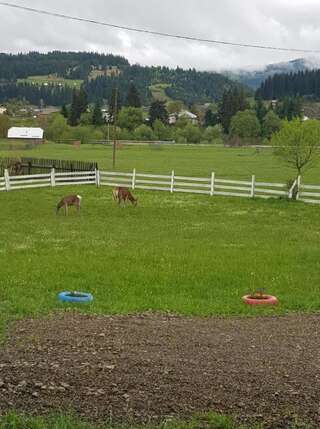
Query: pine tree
{"type": "Point", "coordinates": [97, 118]}
{"type": "Point", "coordinates": [210, 118]}
{"type": "Point", "coordinates": [74, 113]}
{"type": "Point", "coordinates": [233, 101]}
{"type": "Point", "coordinates": [82, 100]}
{"type": "Point", "coordinates": [64, 111]}
{"type": "Point", "coordinates": [133, 97]}
{"type": "Point", "coordinates": [260, 109]}
{"type": "Point", "coordinates": [158, 111]}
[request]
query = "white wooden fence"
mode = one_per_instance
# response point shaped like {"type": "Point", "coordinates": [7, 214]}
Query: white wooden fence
{"type": "Point", "coordinates": [169, 183]}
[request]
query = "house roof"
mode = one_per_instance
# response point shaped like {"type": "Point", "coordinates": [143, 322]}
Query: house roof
{"type": "Point", "coordinates": [25, 133]}
{"type": "Point", "coordinates": [187, 114]}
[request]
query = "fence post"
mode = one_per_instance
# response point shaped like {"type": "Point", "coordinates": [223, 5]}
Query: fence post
{"type": "Point", "coordinates": [253, 186]}
{"type": "Point", "coordinates": [53, 177]}
{"type": "Point", "coordinates": [133, 179]}
{"type": "Point", "coordinates": [212, 184]}
{"type": "Point", "coordinates": [97, 177]}
{"type": "Point", "coordinates": [7, 179]}
{"type": "Point", "coordinates": [298, 187]}
{"type": "Point", "coordinates": [172, 182]}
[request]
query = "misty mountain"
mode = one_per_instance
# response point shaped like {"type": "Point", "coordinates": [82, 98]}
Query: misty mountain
{"type": "Point", "coordinates": [254, 78]}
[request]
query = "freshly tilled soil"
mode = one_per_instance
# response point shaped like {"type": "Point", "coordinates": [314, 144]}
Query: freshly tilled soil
{"type": "Point", "coordinates": [151, 367]}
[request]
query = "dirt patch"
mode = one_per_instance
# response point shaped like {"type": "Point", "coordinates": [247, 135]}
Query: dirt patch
{"type": "Point", "coordinates": [150, 367]}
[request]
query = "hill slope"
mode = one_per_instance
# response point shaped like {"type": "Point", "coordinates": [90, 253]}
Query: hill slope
{"type": "Point", "coordinates": [100, 74]}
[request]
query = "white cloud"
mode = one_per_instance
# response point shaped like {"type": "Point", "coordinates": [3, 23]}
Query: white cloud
{"type": "Point", "coordinates": [285, 23]}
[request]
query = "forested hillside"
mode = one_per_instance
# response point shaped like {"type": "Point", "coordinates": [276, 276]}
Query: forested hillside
{"type": "Point", "coordinates": [189, 86]}
{"type": "Point", "coordinates": [303, 83]}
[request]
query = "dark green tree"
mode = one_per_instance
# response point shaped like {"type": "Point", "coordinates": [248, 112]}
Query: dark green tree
{"type": "Point", "coordinates": [158, 111]}
{"type": "Point", "coordinates": [133, 97]}
{"type": "Point", "coordinates": [74, 112]}
{"type": "Point", "coordinates": [211, 118]}
{"type": "Point", "coordinates": [82, 100]}
{"type": "Point", "coordinates": [233, 101]}
{"type": "Point", "coordinates": [79, 105]}
{"type": "Point", "coordinates": [260, 109]}
{"type": "Point", "coordinates": [64, 111]}
{"type": "Point", "coordinates": [97, 118]}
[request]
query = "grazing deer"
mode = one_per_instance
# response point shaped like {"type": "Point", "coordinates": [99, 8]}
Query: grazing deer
{"type": "Point", "coordinates": [70, 200]}
{"type": "Point", "coordinates": [123, 194]}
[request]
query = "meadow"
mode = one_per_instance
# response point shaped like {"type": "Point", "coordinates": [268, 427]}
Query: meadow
{"type": "Point", "coordinates": [185, 254]}
{"type": "Point", "coordinates": [191, 160]}
{"type": "Point", "coordinates": [51, 80]}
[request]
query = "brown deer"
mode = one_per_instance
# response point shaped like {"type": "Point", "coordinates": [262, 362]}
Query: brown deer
{"type": "Point", "coordinates": [70, 200]}
{"type": "Point", "coordinates": [123, 194]}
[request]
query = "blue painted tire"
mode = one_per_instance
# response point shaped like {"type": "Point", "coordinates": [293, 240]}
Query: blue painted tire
{"type": "Point", "coordinates": [80, 297]}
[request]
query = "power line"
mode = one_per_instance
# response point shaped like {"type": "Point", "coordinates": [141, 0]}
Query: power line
{"type": "Point", "coordinates": [155, 33]}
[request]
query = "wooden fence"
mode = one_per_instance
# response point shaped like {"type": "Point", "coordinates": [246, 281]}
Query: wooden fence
{"type": "Point", "coordinates": [212, 186]}
{"type": "Point", "coordinates": [24, 166]}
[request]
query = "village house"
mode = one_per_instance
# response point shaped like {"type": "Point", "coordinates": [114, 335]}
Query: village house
{"type": "Point", "coordinates": [184, 114]}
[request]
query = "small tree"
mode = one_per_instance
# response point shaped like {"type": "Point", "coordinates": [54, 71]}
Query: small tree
{"type": "Point", "coordinates": [97, 118]}
{"type": "Point", "coordinates": [158, 111]}
{"type": "Point", "coordinates": [271, 124]}
{"type": "Point", "coordinates": [245, 125]}
{"type": "Point", "coordinates": [161, 131]}
{"type": "Point", "coordinates": [64, 111]}
{"type": "Point", "coordinates": [143, 132]}
{"type": "Point", "coordinates": [4, 125]}
{"type": "Point", "coordinates": [297, 143]}
{"type": "Point", "coordinates": [211, 118]}
{"type": "Point", "coordinates": [133, 97]}
{"type": "Point", "coordinates": [130, 118]}
{"type": "Point", "coordinates": [56, 128]}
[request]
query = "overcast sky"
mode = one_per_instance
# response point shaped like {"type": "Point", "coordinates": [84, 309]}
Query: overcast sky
{"type": "Point", "coordinates": [285, 23]}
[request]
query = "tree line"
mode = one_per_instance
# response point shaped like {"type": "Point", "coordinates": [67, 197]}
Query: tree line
{"type": "Point", "coordinates": [302, 83]}
{"type": "Point", "coordinates": [73, 65]}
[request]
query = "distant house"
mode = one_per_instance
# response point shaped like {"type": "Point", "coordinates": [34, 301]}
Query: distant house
{"type": "Point", "coordinates": [184, 114]}
{"type": "Point", "coordinates": [25, 133]}
{"type": "Point", "coordinates": [2, 110]}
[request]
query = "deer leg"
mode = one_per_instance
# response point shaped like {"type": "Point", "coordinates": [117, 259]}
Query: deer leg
{"type": "Point", "coordinates": [66, 209]}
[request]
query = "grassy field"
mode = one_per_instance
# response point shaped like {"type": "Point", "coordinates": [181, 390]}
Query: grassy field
{"type": "Point", "coordinates": [192, 255]}
{"type": "Point", "coordinates": [237, 163]}
{"type": "Point", "coordinates": [209, 421]}
{"type": "Point", "coordinates": [52, 80]}
{"type": "Point", "coordinates": [177, 253]}
{"type": "Point", "coordinates": [158, 92]}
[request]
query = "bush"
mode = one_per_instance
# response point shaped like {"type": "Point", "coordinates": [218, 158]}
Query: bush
{"type": "Point", "coordinates": [56, 128]}
{"type": "Point", "coordinates": [130, 118]}
{"type": "Point", "coordinates": [143, 132]}
{"type": "Point", "coordinates": [245, 125]}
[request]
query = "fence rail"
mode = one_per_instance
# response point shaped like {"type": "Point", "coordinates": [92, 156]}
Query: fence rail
{"type": "Point", "coordinates": [169, 183]}
{"type": "Point", "coordinates": [28, 166]}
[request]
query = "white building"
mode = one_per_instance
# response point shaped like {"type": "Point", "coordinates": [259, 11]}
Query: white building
{"type": "Point", "coordinates": [25, 133]}
{"type": "Point", "coordinates": [2, 110]}
{"type": "Point", "coordinates": [184, 114]}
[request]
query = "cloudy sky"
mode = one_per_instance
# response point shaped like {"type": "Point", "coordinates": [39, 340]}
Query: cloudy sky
{"type": "Point", "coordinates": [283, 23]}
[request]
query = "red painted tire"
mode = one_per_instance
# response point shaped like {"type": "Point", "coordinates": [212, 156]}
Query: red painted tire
{"type": "Point", "coordinates": [268, 300]}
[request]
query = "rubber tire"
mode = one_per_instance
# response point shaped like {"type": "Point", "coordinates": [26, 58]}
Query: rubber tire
{"type": "Point", "coordinates": [65, 297]}
{"type": "Point", "coordinates": [269, 300]}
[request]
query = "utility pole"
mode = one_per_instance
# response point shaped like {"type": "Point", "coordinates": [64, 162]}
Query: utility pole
{"type": "Point", "coordinates": [115, 128]}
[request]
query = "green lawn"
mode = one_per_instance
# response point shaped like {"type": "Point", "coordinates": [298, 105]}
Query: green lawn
{"type": "Point", "coordinates": [179, 253]}
{"type": "Point", "coordinates": [192, 255]}
{"type": "Point", "coordinates": [237, 163]}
